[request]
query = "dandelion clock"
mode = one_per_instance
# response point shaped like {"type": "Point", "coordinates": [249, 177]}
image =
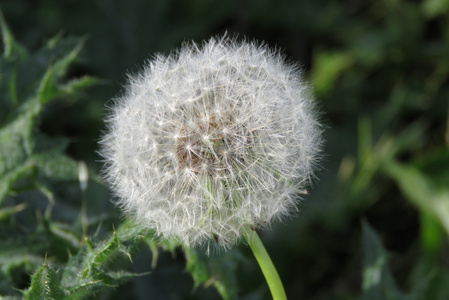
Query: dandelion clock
{"type": "Point", "coordinates": [211, 142]}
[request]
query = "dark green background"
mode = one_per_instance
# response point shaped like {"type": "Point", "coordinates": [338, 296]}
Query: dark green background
{"type": "Point", "coordinates": [380, 71]}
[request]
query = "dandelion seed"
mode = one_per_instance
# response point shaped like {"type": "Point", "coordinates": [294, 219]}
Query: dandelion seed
{"type": "Point", "coordinates": [210, 140]}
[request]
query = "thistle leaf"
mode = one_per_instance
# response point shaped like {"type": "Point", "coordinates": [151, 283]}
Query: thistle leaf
{"type": "Point", "coordinates": [12, 48]}
{"type": "Point", "coordinates": [45, 284]}
{"type": "Point", "coordinates": [218, 271]}
{"type": "Point", "coordinates": [107, 250]}
{"type": "Point", "coordinates": [30, 160]}
{"type": "Point", "coordinates": [78, 84]}
{"type": "Point", "coordinates": [7, 212]}
{"type": "Point", "coordinates": [26, 83]}
{"type": "Point", "coordinates": [16, 146]}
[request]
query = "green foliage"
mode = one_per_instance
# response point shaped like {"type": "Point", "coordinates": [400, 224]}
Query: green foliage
{"type": "Point", "coordinates": [45, 285]}
{"type": "Point", "coordinates": [218, 270]}
{"type": "Point", "coordinates": [378, 282]}
{"type": "Point", "coordinates": [25, 151]}
{"type": "Point", "coordinates": [381, 75]}
{"type": "Point", "coordinates": [422, 192]}
{"type": "Point", "coordinates": [29, 160]}
{"type": "Point", "coordinates": [85, 273]}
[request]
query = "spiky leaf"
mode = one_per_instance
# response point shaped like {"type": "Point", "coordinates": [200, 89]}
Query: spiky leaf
{"type": "Point", "coordinates": [45, 285]}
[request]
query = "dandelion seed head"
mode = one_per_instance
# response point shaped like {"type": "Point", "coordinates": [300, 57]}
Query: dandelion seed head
{"type": "Point", "coordinates": [210, 140]}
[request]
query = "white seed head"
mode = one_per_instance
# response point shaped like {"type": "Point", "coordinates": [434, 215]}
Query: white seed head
{"type": "Point", "coordinates": [210, 140]}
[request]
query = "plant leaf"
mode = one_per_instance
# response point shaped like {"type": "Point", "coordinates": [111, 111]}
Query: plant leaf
{"type": "Point", "coordinates": [421, 192]}
{"type": "Point", "coordinates": [12, 47]}
{"type": "Point", "coordinates": [378, 283]}
{"type": "Point", "coordinates": [45, 284]}
{"type": "Point", "coordinates": [218, 271]}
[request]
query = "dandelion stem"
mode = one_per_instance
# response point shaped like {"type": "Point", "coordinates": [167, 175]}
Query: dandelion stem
{"type": "Point", "coordinates": [265, 263]}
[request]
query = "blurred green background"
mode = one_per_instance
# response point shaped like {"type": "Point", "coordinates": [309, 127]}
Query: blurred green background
{"type": "Point", "coordinates": [380, 71]}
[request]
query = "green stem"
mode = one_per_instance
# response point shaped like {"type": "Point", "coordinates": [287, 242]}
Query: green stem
{"type": "Point", "coordinates": [265, 263]}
